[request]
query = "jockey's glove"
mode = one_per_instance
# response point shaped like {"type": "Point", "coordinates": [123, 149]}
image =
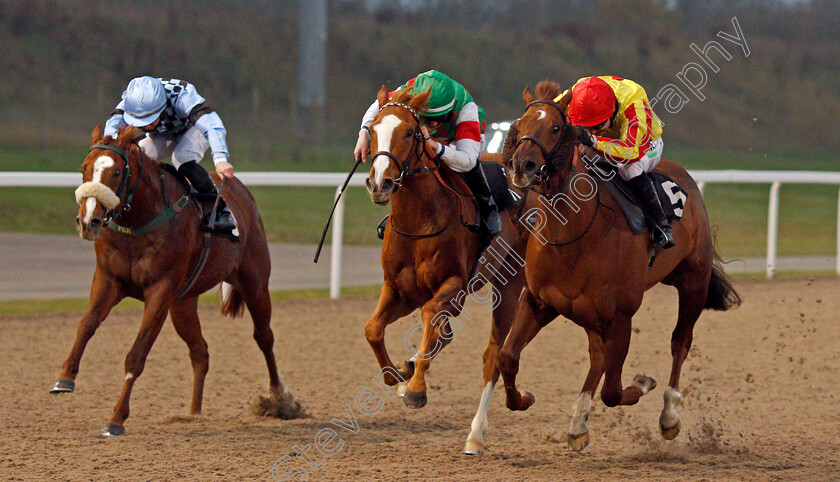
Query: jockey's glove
{"type": "Point", "coordinates": [585, 138]}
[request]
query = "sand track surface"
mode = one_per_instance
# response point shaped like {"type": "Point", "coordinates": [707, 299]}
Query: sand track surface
{"type": "Point", "coordinates": [760, 399]}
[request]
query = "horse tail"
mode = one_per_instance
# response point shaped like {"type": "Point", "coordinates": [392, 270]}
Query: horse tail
{"type": "Point", "coordinates": [233, 304]}
{"type": "Point", "coordinates": [722, 295]}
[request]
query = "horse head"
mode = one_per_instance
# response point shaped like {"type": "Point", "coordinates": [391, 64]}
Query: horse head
{"type": "Point", "coordinates": [395, 141]}
{"type": "Point", "coordinates": [106, 173]}
{"type": "Point", "coordinates": [541, 143]}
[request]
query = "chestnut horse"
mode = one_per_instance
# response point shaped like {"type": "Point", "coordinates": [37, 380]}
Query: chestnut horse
{"type": "Point", "coordinates": [591, 269]}
{"type": "Point", "coordinates": [153, 261]}
{"type": "Point", "coordinates": [429, 254]}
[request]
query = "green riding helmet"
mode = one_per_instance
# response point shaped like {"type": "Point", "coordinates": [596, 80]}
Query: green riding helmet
{"type": "Point", "coordinates": [442, 98]}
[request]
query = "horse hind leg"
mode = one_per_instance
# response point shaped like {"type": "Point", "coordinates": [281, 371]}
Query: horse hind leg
{"type": "Point", "coordinates": [185, 320]}
{"type": "Point", "coordinates": [692, 298]}
{"type": "Point", "coordinates": [502, 321]}
{"type": "Point", "coordinates": [258, 302]}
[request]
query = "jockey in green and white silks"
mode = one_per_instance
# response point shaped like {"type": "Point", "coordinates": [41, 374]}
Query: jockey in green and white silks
{"type": "Point", "coordinates": [460, 120]}
{"type": "Point", "coordinates": [450, 113]}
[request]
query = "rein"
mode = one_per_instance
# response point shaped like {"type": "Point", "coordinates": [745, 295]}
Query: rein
{"type": "Point", "coordinates": [405, 171]}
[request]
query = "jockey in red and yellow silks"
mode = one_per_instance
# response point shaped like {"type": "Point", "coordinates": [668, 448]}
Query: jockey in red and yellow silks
{"type": "Point", "coordinates": [614, 120]}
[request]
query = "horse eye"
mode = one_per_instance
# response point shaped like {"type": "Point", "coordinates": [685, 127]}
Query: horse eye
{"type": "Point", "coordinates": [116, 172]}
{"type": "Point", "coordinates": [555, 129]}
{"type": "Point", "coordinates": [409, 133]}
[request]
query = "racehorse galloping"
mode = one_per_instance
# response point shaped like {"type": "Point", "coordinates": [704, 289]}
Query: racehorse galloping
{"type": "Point", "coordinates": [152, 259]}
{"type": "Point", "coordinates": [594, 271]}
{"type": "Point", "coordinates": [429, 253]}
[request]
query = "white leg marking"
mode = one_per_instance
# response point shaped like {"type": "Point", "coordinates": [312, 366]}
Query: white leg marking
{"type": "Point", "coordinates": [384, 132]}
{"type": "Point", "coordinates": [670, 417]}
{"type": "Point", "coordinates": [129, 376]}
{"type": "Point", "coordinates": [581, 407]}
{"type": "Point", "coordinates": [480, 422]}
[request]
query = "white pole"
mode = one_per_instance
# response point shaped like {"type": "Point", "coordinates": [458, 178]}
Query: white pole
{"type": "Point", "coordinates": [838, 234]}
{"type": "Point", "coordinates": [773, 229]}
{"type": "Point", "coordinates": [337, 235]}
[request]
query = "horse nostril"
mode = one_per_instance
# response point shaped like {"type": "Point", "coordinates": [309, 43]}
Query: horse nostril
{"type": "Point", "coordinates": [78, 221]}
{"type": "Point", "coordinates": [387, 185]}
{"type": "Point", "coordinates": [369, 185]}
{"type": "Point", "coordinates": [528, 166]}
{"type": "Point", "coordinates": [96, 223]}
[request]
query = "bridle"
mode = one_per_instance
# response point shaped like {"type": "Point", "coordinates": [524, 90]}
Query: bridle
{"type": "Point", "coordinates": [543, 175]}
{"type": "Point", "coordinates": [545, 171]}
{"type": "Point", "coordinates": [418, 150]}
{"type": "Point", "coordinates": [124, 185]}
{"type": "Point", "coordinates": [418, 142]}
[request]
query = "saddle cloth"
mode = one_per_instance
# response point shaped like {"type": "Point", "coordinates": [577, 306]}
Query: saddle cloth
{"type": "Point", "coordinates": [671, 196]}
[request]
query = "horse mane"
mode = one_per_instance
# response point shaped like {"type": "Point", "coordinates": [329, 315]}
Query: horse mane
{"type": "Point", "coordinates": [548, 90]}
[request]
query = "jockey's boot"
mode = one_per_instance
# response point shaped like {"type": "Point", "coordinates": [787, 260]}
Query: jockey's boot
{"type": "Point", "coordinates": [380, 230]}
{"type": "Point", "coordinates": [643, 186]}
{"type": "Point", "coordinates": [200, 180]}
{"type": "Point", "coordinates": [491, 223]}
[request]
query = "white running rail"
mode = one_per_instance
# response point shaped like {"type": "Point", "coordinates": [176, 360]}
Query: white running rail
{"type": "Point", "coordinates": [315, 179]}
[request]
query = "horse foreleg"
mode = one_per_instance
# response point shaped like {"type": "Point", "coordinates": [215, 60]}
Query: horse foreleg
{"type": "Point", "coordinates": [615, 348]}
{"type": "Point", "coordinates": [389, 309]}
{"type": "Point", "coordinates": [185, 320]}
{"type": "Point", "coordinates": [105, 292]}
{"type": "Point", "coordinates": [502, 321]}
{"type": "Point", "coordinates": [578, 437]}
{"type": "Point", "coordinates": [158, 300]}
{"type": "Point", "coordinates": [690, 306]}
{"type": "Point", "coordinates": [437, 333]}
{"type": "Point", "coordinates": [531, 316]}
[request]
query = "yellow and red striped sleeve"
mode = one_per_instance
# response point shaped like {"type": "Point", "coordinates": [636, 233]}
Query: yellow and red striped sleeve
{"type": "Point", "coordinates": [636, 134]}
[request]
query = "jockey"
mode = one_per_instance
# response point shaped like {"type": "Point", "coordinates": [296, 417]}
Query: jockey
{"type": "Point", "coordinates": [177, 123]}
{"type": "Point", "coordinates": [451, 114]}
{"type": "Point", "coordinates": [614, 119]}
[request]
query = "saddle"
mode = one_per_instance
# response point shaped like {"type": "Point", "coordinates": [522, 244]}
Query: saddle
{"type": "Point", "coordinates": [497, 180]}
{"type": "Point", "coordinates": [205, 201]}
{"type": "Point", "coordinates": [671, 196]}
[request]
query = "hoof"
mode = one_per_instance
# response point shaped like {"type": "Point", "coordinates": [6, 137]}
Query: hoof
{"type": "Point", "coordinates": [112, 430]}
{"type": "Point", "coordinates": [63, 385]}
{"type": "Point", "coordinates": [526, 399]}
{"type": "Point", "coordinates": [645, 383]}
{"type": "Point", "coordinates": [474, 447]}
{"type": "Point", "coordinates": [414, 399]}
{"type": "Point", "coordinates": [670, 433]}
{"type": "Point", "coordinates": [578, 442]}
{"type": "Point", "coordinates": [406, 369]}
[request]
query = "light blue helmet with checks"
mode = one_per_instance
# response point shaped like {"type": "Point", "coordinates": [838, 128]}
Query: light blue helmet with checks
{"type": "Point", "coordinates": [144, 99]}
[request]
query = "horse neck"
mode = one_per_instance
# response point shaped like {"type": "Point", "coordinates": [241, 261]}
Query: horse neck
{"type": "Point", "coordinates": [147, 201]}
{"type": "Point", "coordinates": [422, 203]}
{"type": "Point", "coordinates": [573, 209]}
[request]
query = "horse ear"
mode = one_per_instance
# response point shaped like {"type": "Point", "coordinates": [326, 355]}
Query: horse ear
{"type": "Point", "coordinates": [564, 101]}
{"type": "Point", "coordinates": [382, 96]}
{"type": "Point", "coordinates": [96, 135]}
{"type": "Point", "coordinates": [527, 95]}
{"type": "Point", "coordinates": [419, 101]}
{"type": "Point", "coordinates": [126, 135]}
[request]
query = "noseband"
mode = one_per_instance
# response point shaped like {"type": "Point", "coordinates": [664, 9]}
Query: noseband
{"type": "Point", "coordinates": [126, 205]}
{"type": "Point", "coordinates": [418, 142]}
{"type": "Point", "coordinates": [547, 168]}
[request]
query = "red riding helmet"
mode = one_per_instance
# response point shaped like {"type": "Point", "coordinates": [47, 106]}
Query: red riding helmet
{"type": "Point", "coordinates": [593, 102]}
